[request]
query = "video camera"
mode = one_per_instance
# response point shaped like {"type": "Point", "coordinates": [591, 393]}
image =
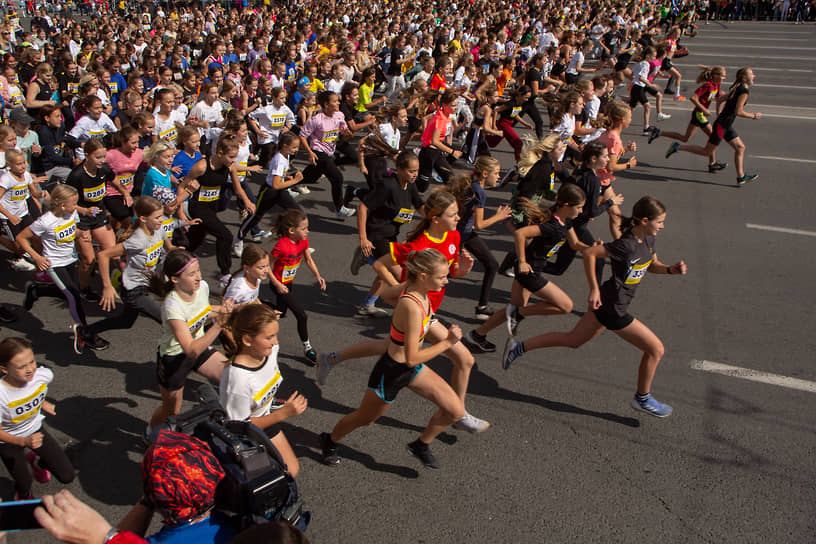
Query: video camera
{"type": "Point", "coordinates": [256, 487]}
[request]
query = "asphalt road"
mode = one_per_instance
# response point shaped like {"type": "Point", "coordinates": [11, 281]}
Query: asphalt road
{"type": "Point", "coordinates": [566, 458]}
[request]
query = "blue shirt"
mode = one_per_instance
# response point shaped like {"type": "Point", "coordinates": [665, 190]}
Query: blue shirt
{"type": "Point", "coordinates": [216, 529]}
{"type": "Point", "coordinates": [474, 198]}
{"type": "Point", "coordinates": [186, 162]}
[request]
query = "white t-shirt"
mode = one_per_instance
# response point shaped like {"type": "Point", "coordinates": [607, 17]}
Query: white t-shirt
{"type": "Point", "coordinates": [335, 86]}
{"type": "Point", "coordinates": [240, 291]}
{"type": "Point", "coordinates": [565, 129]}
{"type": "Point", "coordinates": [57, 235]}
{"type": "Point", "coordinates": [144, 254]}
{"type": "Point", "coordinates": [390, 135]}
{"type": "Point", "coordinates": [278, 166]}
{"type": "Point", "coordinates": [21, 409]}
{"type": "Point", "coordinates": [591, 109]}
{"type": "Point", "coordinates": [166, 128]}
{"type": "Point", "coordinates": [16, 195]}
{"type": "Point", "coordinates": [212, 114]}
{"type": "Point", "coordinates": [576, 61]}
{"type": "Point", "coordinates": [640, 70]}
{"type": "Point", "coordinates": [271, 121]}
{"type": "Point", "coordinates": [86, 129]}
{"type": "Point", "coordinates": [194, 313]}
{"type": "Point", "coordinates": [249, 392]}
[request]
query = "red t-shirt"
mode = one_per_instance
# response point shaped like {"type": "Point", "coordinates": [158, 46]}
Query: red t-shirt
{"type": "Point", "coordinates": [448, 246]}
{"type": "Point", "coordinates": [614, 146]}
{"type": "Point", "coordinates": [438, 83]}
{"type": "Point", "coordinates": [707, 92]}
{"type": "Point", "coordinates": [287, 255]}
{"type": "Point", "coordinates": [439, 121]}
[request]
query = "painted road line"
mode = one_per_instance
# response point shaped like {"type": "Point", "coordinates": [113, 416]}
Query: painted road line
{"type": "Point", "coordinates": [741, 46]}
{"type": "Point", "coordinates": [754, 375]}
{"type": "Point", "coordinates": [798, 70]}
{"type": "Point", "coordinates": [771, 228]}
{"type": "Point", "coordinates": [781, 86]}
{"type": "Point", "coordinates": [765, 114]}
{"type": "Point", "coordinates": [786, 159]}
{"type": "Point", "coordinates": [763, 57]}
{"type": "Point", "coordinates": [699, 39]}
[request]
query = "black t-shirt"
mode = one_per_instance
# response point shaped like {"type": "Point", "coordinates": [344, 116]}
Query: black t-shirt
{"type": "Point", "coordinates": [587, 180]}
{"type": "Point", "coordinates": [539, 178]}
{"type": "Point", "coordinates": [211, 183]}
{"type": "Point", "coordinates": [389, 207]}
{"type": "Point", "coordinates": [91, 189]}
{"type": "Point", "coordinates": [630, 259]}
{"type": "Point", "coordinates": [612, 42]}
{"type": "Point", "coordinates": [533, 75]}
{"type": "Point", "coordinates": [729, 112]}
{"type": "Point", "coordinates": [347, 111]}
{"type": "Point", "coordinates": [395, 69]}
{"type": "Point", "coordinates": [552, 235]}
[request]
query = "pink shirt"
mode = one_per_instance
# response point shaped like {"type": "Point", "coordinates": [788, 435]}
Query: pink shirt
{"type": "Point", "coordinates": [323, 132]}
{"type": "Point", "coordinates": [123, 167]}
{"type": "Point", "coordinates": [614, 146]}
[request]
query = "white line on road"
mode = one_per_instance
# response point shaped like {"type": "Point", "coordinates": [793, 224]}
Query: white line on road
{"type": "Point", "coordinates": [793, 116]}
{"type": "Point", "coordinates": [754, 375]}
{"type": "Point", "coordinates": [780, 86]}
{"type": "Point", "coordinates": [741, 46]}
{"type": "Point", "coordinates": [763, 57]}
{"type": "Point", "coordinates": [754, 39]}
{"type": "Point", "coordinates": [689, 65]}
{"type": "Point", "coordinates": [787, 159]}
{"type": "Point", "coordinates": [780, 229]}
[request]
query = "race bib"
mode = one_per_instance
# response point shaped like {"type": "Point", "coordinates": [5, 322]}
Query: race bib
{"type": "Point", "coordinates": [242, 57]}
{"type": "Point", "coordinates": [552, 181]}
{"type": "Point", "coordinates": [196, 323]}
{"type": "Point", "coordinates": [20, 192]}
{"type": "Point", "coordinates": [169, 134]}
{"type": "Point", "coordinates": [405, 215]}
{"type": "Point", "coordinates": [66, 233]}
{"type": "Point", "coordinates": [516, 110]}
{"type": "Point", "coordinates": [97, 133]}
{"type": "Point", "coordinates": [277, 121]}
{"type": "Point", "coordinates": [176, 76]}
{"type": "Point", "coordinates": [168, 226]}
{"type": "Point", "coordinates": [555, 249]}
{"type": "Point", "coordinates": [28, 407]}
{"type": "Point", "coordinates": [636, 273]}
{"type": "Point", "coordinates": [16, 98]}
{"type": "Point", "coordinates": [289, 272]}
{"type": "Point", "coordinates": [330, 135]}
{"type": "Point", "coordinates": [126, 180]}
{"type": "Point", "coordinates": [209, 194]}
{"type": "Point", "coordinates": [267, 394]}
{"type": "Point", "coordinates": [113, 87]}
{"type": "Point", "coordinates": [153, 254]}
{"type": "Point", "coordinates": [242, 165]}
{"type": "Point", "coordinates": [73, 88]}
{"type": "Point", "coordinates": [94, 194]}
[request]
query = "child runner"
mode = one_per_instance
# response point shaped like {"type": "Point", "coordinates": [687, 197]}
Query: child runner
{"type": "Point", "coordinates": [433, 155]}
{"type": "Point", "coordinates": [124, 161]}
{"type": "Point", "coordinates": [23, 390]}
{"type": "Point", "coordinates": [291, 249]}
{"type": "Point", "coordinates": [617, 118]}
{"type": "Point", "coordinates": [403, 364]}
{"type": "Point", "coordinates": [472, 200]}
{"type": "Point", "coordinates": [56, 230]}
{"type": "Point", "coordinates": [16, 187]}
{"type": "Point", "coordinates": [244, 286]}
{"type": "Point", "coordinates": [250, 383]}
{"type": "Point", "coordinates": [641, 86]}
{"type": "Point", "coordinates": [706, 94]}
{"type": "Point", "coordinates": [269, 122]}
{"type": "Point", "coordinates": [632, 255]}
{"type": "Point", "coordinates": [96, 124]}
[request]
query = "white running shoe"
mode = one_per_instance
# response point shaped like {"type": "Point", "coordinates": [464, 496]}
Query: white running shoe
{"type": "Point", "coordinates": [471, 424]}
{"type": "Point", "coordinates": [371, 311]}
{"type": "Point", "coordinates": [663, 116]}
{"type": "Point", "coordinates": [346, 212]}
{"type": "Point", "coordinates": [21, 265]}
{"type": "Point", "coordinates": [324, 366]}
{"type": "Point", "coordinates": [238, 248]}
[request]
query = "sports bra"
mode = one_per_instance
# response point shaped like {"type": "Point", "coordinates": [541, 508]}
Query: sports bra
{"type": "Point", "coordinates": [397, 336]}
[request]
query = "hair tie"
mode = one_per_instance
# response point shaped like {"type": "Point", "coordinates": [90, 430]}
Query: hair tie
{"type": "Point", "coordinates": [183, 268]}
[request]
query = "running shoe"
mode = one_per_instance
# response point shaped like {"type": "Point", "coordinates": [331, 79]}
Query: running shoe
{"type": "Point", "coordinates": [717, 166]}
{"type": "Point", "coordinates": [477, 343]}
{"type": "Point", "coordinates": [224, 280]}
{"type": "Point", "coordinates": [22, 265]}
{"type": "Point", "coordinates": [357, 261]}
{"type": "Point", "coordinates": [18, 497]}
{"type": "Point", "coordinates": [513, 319]}
{"type": "Point", "coordinates": [471, 424]}
{"type": "Point", "coordinates": [647, 131]}
{"type": "Point", "coordinates": [310, 354]}
{"type": "Point", "coordinates": [483, 313]}
{"type": "Point", "coordinates": [329, 454]}
{"type": "Point", "coordinates": [79, 342]}
{"type": "Point", "coordinates": [6, 315]}
{"type": "Point", "coordinates": [508, 272]}
{"type": "Point", "coordinates": [40, 474]}
{"type": "Point", "coordinates": [43, 277]}
{"type": "Point", "coordinates": [663, 116]}
{"type": "Point", "coordinates": [421, 451]}
{"type": "Point", "coordinates": [238, 248]}
{"type": "Point", "coordinates": [30, 295]}
{"type": "Point", "coordinates": [260, 236]}
{"type": "Point", "coordinates": [513, 349]}
{"type": "Point", "coordinates": [651, 406]}
{"type": "Point", "coordinates": [673, 148]}
{"type": "Point", "coordinates": [96, 343]}
{"type": "Point", "coordinates": [654, 135]}
{"type": "Point", "coordinates": [680, 98]}
{"type": "Point", "coordinates": [302, 189]}
{"type": "Point", "coordinates": [293, 193]}
{"type": "Point", "coordinates": [371, 311]}
{"type": "Point", "coordinates": [325, 362]}
{"type": "Point", "coordinates": [344, 212]}
{"type": "Point", "coordinates": [742, 180]}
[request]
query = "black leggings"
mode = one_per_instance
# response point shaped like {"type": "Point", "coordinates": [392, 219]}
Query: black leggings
{"type": "Point", "coordinates": [532, 112]}
{"type": "Point", "coordinates": [51, 457]}
{"type": "Point", "coordinates": [325, 166]}
{"type": "Point", "coordinates": [482, 254]}
{"type": "Point", "coordinates": [287, 302]}
{"type": "Point", "coordinates": [136, 301]}
{"type": "Point", "coordinates": [211, 224]}
{"type": "Point", "coordinates": [65, 286]}
{"type": "Point", "coordinates": [267, 199]}
{"type": "Point", "coordinates": [431, 159]}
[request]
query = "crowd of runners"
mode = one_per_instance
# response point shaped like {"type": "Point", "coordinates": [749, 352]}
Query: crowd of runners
{"type": "Point", "coordinates": [126, 138]}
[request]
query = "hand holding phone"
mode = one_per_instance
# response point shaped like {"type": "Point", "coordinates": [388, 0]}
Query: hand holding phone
{"type": "Point", "coordinates": [70, 520]}
{"type": "Point", "coordinates": [19, 515]}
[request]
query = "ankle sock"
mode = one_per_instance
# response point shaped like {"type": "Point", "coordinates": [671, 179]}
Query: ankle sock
{"type": "Point", "coordinates": [370, 300]}
{"type": "Point", "coordinates": [307, 345]}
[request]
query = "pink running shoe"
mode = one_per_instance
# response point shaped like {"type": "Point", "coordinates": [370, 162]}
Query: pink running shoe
{"type": "Point", "coordinates": [40, 474]}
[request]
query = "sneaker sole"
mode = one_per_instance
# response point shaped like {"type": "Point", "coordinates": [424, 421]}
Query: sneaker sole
{"type": "Point", "coordinates": [78, 344]}
{"type": "Point", "coordinates": [642, 411]}
{"type": "Point", "coordinates": [469, 430]}
{"type": "Point", "coordinates": [506, 350]}
{"type": "Point", "coordinates": [417, 457]}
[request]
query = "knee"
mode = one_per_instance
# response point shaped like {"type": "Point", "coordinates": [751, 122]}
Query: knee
{"type": "Point", "coordinates": [465, 360]}
{"type": "Point", "coordinates": [739, 147]}
{"type": "Point", "coordinates": [657, 351]}
{"type": "Point", "coordinates": [66, 476]}
{"type": "Point", "coordinates": [491, 265]}
{"type": "Point", "coordinates": [457, 412]}
{"type": "Point", "coordinates": [565, 306]}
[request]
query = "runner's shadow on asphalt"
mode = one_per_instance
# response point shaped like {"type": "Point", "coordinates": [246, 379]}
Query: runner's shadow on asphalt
{"type": "Point", "coordinates": [307, 444]}
{"type": "Point", "coordinates": [104, 434]}
{"type": "Point", "coordinates": [332, 226]}
{"type": "Point", "coordinates": [296, 379]}
{"type": "Point", "coordinates": [642, 176]}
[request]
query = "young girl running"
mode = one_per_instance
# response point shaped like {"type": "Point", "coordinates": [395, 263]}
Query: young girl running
{"type": "Point", "coordinates": [641, 85]}
{"type": "Point", "coordinates": [244, 286]}
{"type": "Point", "coordinates": [618, 117]}
{"type": "Point", "coordinates": [270, 122]}
{"type": "Point", "coordinates": [23, 390]}
{"type": "Point", "coordinates": [632, 255]}
{"type": "Point", "coordinates": [189, 142]}
{"type": "Point", "coordinates": [434, 150]}
{"type": "Point", "coordinates": [57, 231]}
{"type": "Point", "coordinates": [90, 179]}
{"type": "Point", "coordinates": [723, 128]}
{"type": "Point", "coordinates": [289, 252]}
{"type": "Point", "coordinates": [96, 124]}
{"type": "Point", "coordinates": [124, 161]}
{"type": "Point", "coordinates": [706, 94]}
{"type": "Point", "coordinates": [508, 113]}
{"type": "Point", "coordinates": [249, 384]}
{"type": "Point", "coordinates": [382, 143]}
{"type": "Point", "coordinates": [143, 245]}
{"type": "Point", "coordinates": [472, 200]}
{"type": "Point", "coordinates": [159, 180]}
{"type": "Point", "coordinates": [403, 363]}
{"type": "Point", "coordinates": [535, 245]}
{"type": "Point", "coordinates": [184, 345]}
{"type": "Point", "coordinates": [16, 187]}
{"type": "Point", "coordinates": [483, 124]}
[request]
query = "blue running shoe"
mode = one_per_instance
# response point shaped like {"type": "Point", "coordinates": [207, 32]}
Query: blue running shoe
{"type": "Point", "coordinates": [513, 349]}
{"type": "Point", "coordinates": [651, 406]}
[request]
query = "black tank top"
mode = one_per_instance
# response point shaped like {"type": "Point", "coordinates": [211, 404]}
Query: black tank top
{"type": "Point", "coordinates": [211, 184]}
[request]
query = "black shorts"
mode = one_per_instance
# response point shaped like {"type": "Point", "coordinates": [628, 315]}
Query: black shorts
{"type": "Point", "coordinates": [87, 222]}
{"type": "Point", "coordinates": [571, 79]}
{"type": "Point", "coordinates": [666, 65]}
{"type": "Point", "coordinates": [382, 246]}
{"type": "Point", "coordinates": [172, 370]}
{"type": "Point", "coordinates": [13, 230]}
{"type": "Point", "coordinates": [116, 207]}
{"type": "Point", "coordinates": [532, 281]}
{"type": "Point", "coordinates": [720, 133]}
{"type": "Point", "coordinates": [611, 320]}
{"type": "Point", "coordinates": [696, 121]}
{"type": "Point", "coordinates": [621, 65]}
{"type": "Point", "coordinates": [637, 96]}
{"type": "Point", "coordinates": [388, 377]}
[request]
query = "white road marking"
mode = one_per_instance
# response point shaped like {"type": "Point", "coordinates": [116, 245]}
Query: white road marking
{"type": "Point", "coordinates": [798, 70]}
{"type": "Point", "coordinates": [763, 57]}
{"type": "Point", "coordinates": [754, 375]}
{"type": "Point", "coordinates": [699, 39]}
{"type": "Point", "coordinates": [792, 116]}
{"type": "Point", "coordinates": [766, 47]}
{"type": "Point", "coordinates": [781, 229]}
{"type": "Point", "coordinates": [781, 86]}
{"type": "Point", "coordinates": [789, 159]}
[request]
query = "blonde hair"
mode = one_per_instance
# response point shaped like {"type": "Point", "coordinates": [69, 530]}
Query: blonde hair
{"type": "Point", "coordinates": [61, 194]}
{"type": "Point", "coordinates": [423, 262]}
{"type": "Point", "coordinates": [534, 150]}
{"type": "Point", "coordinates": [156, 150]}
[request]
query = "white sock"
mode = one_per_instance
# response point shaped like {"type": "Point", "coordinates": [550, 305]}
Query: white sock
{"type": "Point", "coordinates": [307, 345]}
